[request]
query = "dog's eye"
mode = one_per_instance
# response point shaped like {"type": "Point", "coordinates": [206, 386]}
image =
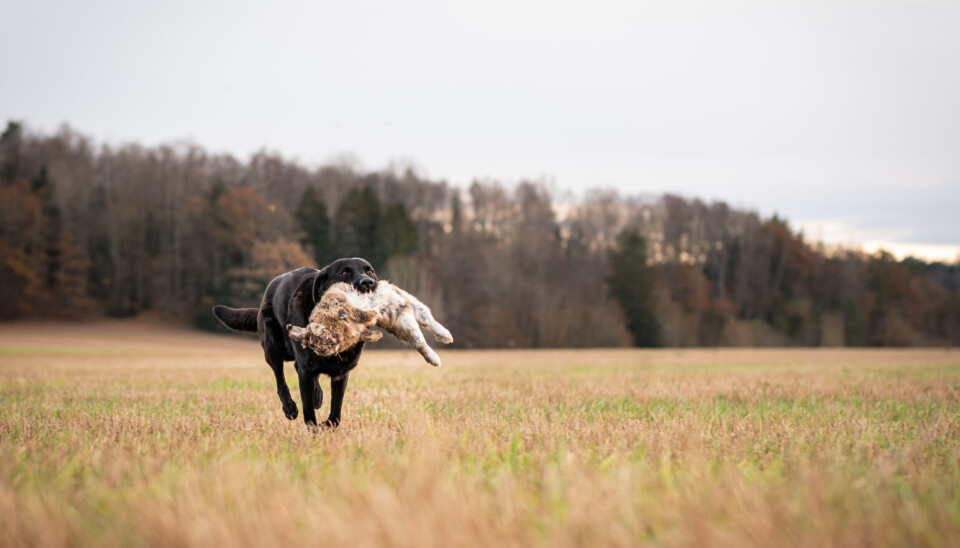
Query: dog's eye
{"type": "Point", "coordinates": [370, 271]}
{"type": "Point", "coordinates": [345, 273]}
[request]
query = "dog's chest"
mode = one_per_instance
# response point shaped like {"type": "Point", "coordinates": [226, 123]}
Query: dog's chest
{"type": "Point", "coordinates": [338, 365]}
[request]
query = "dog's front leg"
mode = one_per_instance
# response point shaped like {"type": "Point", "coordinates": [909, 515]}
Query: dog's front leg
{"type": "Point", "coordinates": [338, 387]}
{"type": "Point", "coordinates": [307, 384]}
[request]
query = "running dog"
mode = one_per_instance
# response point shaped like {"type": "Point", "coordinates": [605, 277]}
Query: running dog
{"type": "Point", "coordinates": [288, 300]}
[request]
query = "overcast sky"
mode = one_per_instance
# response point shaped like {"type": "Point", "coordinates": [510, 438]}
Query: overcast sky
{"type": "Point", "coordinates": [842, 116]}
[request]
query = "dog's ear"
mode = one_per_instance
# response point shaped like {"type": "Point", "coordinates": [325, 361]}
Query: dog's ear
{"type": "Point", "coordinates": [320, 283]}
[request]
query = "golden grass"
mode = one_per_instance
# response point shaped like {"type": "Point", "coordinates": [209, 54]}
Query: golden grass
{"type": "Point", "coordinates": [174, 438]}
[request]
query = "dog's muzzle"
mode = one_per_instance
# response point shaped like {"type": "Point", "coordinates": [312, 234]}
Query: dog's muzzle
{"type": "Point", "coordinates": [366, 284]}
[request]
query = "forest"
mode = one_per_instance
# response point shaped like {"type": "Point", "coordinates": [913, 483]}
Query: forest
{"type": "Point", "coordinates": [89, 230]}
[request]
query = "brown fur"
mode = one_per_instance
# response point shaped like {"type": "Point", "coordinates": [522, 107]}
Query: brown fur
{"type": "Point", "coordinates": [345, 316]}
{"type": "Point", "coordinates": [335, 325]}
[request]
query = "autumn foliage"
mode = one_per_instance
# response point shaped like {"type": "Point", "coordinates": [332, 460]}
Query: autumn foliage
{"type": "Point", "coordinates": [90, 231]}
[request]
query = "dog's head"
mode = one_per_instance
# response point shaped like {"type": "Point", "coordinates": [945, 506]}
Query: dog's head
{"type": "Point", "coordinates": [356, 272]}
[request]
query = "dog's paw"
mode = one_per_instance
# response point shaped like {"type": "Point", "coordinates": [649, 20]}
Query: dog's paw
{"type": "Point", "coordinates": [290, 410]}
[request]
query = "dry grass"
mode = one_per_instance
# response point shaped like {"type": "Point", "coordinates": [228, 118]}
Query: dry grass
{"type": "Point", "coordinates": [170, 438]}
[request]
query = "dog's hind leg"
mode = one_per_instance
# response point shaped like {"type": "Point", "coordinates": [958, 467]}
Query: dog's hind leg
{"type": "Point", "coordinates": [317, 393]}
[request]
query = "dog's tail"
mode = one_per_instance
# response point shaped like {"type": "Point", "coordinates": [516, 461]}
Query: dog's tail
{"type": "Point", "coordinates": [238, 319]}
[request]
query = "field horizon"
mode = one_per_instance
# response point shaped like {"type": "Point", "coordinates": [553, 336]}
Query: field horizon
{"type": "Point", "coordinates": [139, 433]}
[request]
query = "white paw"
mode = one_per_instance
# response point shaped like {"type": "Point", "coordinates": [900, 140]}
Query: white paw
{"type": "Point", "coordinates": [431, 357]}
{"type": "Point", "coordinates": [443, 335]}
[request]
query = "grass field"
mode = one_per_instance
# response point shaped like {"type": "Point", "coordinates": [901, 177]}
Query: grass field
{"type": "Point", "coordinates": [113, 435]}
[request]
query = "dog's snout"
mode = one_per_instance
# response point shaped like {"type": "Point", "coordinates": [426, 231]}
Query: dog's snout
{"type": "Point", "coordinates": [366, 284]}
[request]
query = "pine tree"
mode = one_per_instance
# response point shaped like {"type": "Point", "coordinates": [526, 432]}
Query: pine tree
{"type": "Point", "coordinates": [315, 223]}
{"type": "Point", "coordinates": [10, 141]}
{"type": "Point", "coordinates": [631, 285]}
{"type": "Point", "coordinates": [358, 227]}
{"type": "Point", "coordinates": [399, 234]}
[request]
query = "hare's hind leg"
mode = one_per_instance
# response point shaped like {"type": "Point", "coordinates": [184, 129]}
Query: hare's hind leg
{"type": "Point", "coordinates": [406, 329]}
{"type": "Point", "coordinates": [426, 320]}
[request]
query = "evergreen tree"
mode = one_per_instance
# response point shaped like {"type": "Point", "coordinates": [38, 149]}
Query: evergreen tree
{"type": "Point", "coordinates": [358, 226]}
{"type": "Point", "coordinates": [631, 285]}
{"type": "Point", "coordinates": [315, 223]}
{"type": "Point", "coordinates": [52, 225]}
{"type": "Point", "coordinates": [10, 141]}
{"type": "Point", "coordinates": [399, 234]}
{"type": "Point", "coordinates": [456, 217]}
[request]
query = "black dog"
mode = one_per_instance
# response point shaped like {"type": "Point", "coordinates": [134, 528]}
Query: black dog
{"type": "Point", "coordinates": [289, 299]}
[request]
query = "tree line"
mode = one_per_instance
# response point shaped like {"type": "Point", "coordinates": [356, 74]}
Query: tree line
{"type": "Point", "coordinates": [89, 230]}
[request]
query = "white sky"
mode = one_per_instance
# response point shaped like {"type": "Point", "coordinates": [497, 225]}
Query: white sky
{"type": "Point", "coordinates": [842, 116]}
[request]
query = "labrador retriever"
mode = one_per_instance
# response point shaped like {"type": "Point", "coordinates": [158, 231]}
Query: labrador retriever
{"type": "Point", "coordinates": [289, 299]}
